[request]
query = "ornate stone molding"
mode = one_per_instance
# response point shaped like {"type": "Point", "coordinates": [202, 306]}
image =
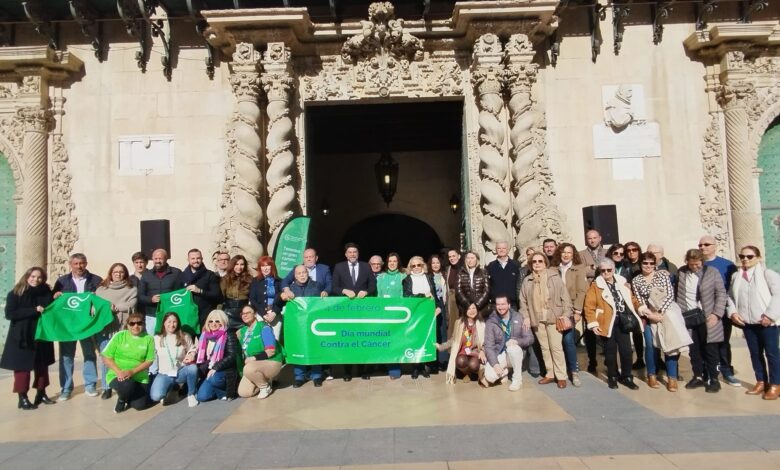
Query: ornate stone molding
{"type": "Point", "coordinates": [535, 215]}
{"type": "Point", "coordinates": [713, 205]}
{"type": "Point", "coordinates": [487, 77]}
{"type": "Point", "coordinates": [278, 84]}
{"type": "Point", "coordinates": [239, 229]}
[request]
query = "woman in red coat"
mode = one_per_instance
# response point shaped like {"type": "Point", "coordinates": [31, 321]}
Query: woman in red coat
{"type": "Point", "coordinates": [22, 353]}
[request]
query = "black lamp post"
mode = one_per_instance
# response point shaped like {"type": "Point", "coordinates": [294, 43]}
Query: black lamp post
{"type": "Point", "coordinates": [386, 170]}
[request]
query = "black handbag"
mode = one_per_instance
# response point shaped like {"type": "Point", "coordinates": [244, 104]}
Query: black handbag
{"type": "Point", "coordinates": [627, 322]}
{"type": "Point", "coordinates": [694, 317]}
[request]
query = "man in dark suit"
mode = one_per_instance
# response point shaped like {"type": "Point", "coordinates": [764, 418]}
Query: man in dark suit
{"type": "Point", "coordinates": [203, 284]}
{"type": "Point", "coordinates": [319, 273]}
{"type": "Point", "coordinates": [353, 279]}
{"type": "Point", "coordinates": [78, 280]}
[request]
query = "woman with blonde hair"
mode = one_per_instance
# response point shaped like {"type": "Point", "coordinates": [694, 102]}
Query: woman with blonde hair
{"type": "Point", "coordinates": [216, 359]}
{"type": "Point", "coordinates": [545, 303]}
{"type": "Point", "coordinates": [419, 283]}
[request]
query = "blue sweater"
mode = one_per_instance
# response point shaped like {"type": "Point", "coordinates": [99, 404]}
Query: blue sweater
{"type": "Point", "coordinates": [725, 267]}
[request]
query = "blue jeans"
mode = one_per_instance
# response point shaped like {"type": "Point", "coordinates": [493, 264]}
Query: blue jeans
{"type": "Point", "coordinates": [394, 370]}
{"type": "Point", "coordinates": [570, 351]}
{"type": "Point", "coordinates": [314, 372]}
{"type": "Point", "coordinates": [762, 342]}
{"type": "Point", "coordinates": [67, 354]}
{"type": "Point", "coordinates": [102, 341]}
{"type": "Point", "coordinates": [671, 361]}
{"type": "Point", "coordinates": [213, 387]}
{"type": "Point", "coordinates": [162, 383]}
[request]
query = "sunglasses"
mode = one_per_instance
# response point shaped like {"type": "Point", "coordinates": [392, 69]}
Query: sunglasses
{"type": "Point", "coordinates": [632, 249]}
{"type": "Point", "coordinates": [617, 253]}
{"type": "Point", "coordinates": [418, 265]}
{"type": "Point", "coordinates": [705, 244]}
{"type": "Point", "coordinates": [135, 323]}
{"type": "Point", "coordinates": [747, 256]}
{"type": "Point", "coordinates": [215, 321]}
{"type": "Point", "coordinates": [648, 263]}
{"type": "Point", "coordinates": [537, 261]}
{"type": "Point", "coordinates": [607, 270]}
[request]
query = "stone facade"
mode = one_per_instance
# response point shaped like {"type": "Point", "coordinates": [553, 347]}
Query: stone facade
{"type": "Point", "coordinates": [240, 158]}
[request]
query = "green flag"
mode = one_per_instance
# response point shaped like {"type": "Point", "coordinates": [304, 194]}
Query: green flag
{"type": "Point", "coordinates": [291, 244]}
{"type": "Point", "coordinates": [72, 317]}
{"type": "Point", "coordinates": [180, 302]}
{"type": "Point", "coordinates": [337, 330]}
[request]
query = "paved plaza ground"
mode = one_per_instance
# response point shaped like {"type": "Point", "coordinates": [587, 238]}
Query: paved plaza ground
{"type": "Point", "coordinates": [407, 424]}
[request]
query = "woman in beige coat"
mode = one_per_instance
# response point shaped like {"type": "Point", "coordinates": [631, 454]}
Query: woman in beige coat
{"type": "Point", "coordinates": [544, 302]}
{"type": "Point", "coordinates": [466, 345]}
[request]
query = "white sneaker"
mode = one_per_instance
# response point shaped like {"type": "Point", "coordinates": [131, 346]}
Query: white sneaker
{"type": "Point", "coordinates": [515, 385]}
{"type": "Point", "coordinates": [575, 379]}
{"type": "Point", "coordinates": [264, 392]}
{"type": "Point", "coordinates": [64, 396]}
{"type": "Point", "coordinates": [192, 402]}
{"type": "Point", "coordinates": [91, 393]}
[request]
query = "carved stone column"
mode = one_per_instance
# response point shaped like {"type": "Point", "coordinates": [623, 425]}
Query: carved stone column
{"type": "Point", "coordinates": [239, 229]}
{"type": "Point", "coordinates": [487, 77]}
{"type": "Point", "coordinates": [745, 209]}
{"type": "Point", "coordinates": [278, 83]}
{"type": "Point", "coordinates": [34, 243]}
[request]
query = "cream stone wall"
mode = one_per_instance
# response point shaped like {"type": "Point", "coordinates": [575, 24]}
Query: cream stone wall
{"type": "Point", "coordinates": [113, 99]}
{"type": "Point", "coordinates": [663, 207]}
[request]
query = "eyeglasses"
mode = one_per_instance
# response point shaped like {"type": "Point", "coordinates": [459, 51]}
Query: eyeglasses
{"type": "Point", "coordinates": [537, 261]}
{"type": "Point", "coordinates": [418, 265]}
{"type": "Point", "coordinates": [375, 264]}
{"type": "Point", "coordinates": [223, 259]}
{"type": "Point", "coordinates": [617, 253]}
{"type": "Point", "coordinates": [705, 244]}
{"type": "Point", "coordinates": [607, 270]}
{"type": "Point", "coordinates": [648, 263]}
{"type": "Point", "coordinates": [135, 323]}
{"type": "Point", "coordinates": [632, 249]}
{"type": "Point", "coordinates": [747, 256]}
{"type": "Point", "coordinates": [215, 321]}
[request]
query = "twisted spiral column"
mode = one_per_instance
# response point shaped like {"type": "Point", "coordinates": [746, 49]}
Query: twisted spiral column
{"type": "Point", "coordinates": [487, 79]}
{"type": "Point", "coordinates": [34, 243]}
{"type": "Point", "coordinates": [239, 231]}
{"type": "Point", "coordinates": [278, 84]}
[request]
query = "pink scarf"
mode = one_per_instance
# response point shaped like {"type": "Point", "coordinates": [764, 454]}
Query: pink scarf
{"type": "Point", "coordinates": [220, 338]}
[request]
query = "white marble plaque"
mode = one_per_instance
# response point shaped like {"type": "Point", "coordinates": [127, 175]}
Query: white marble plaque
{"type": "Point", "coordinates": [146, 155]}
{"type": "Point", "coordinates": [628, 169]}
{"type": "Point", "coordinates": [635, 141]}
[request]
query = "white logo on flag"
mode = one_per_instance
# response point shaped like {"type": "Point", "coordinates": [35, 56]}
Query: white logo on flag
{"type": "Point", "coordinates": [177, 299]}
{"type": "Point", "coordinates": [327, 321]}
{"type": "Point", "coordinates": [75, 302]}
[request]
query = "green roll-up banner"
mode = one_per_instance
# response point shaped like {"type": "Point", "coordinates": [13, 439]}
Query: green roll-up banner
{"type": "Point", "coordinates": [337, 330]}
{"type": "Point", "coordinates": [291, 244]}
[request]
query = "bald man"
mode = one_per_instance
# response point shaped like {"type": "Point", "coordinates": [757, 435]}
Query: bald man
{"type": "Point", "coordinates": [709, 248]}
{"type": "Point", "coordinates": [160, 279]}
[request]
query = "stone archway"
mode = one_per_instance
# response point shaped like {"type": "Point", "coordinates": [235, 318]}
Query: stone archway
{"type": "Point", "coordinates": [385, 233]}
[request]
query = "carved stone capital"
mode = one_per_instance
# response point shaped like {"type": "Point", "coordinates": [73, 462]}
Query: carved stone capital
{"type": "Point", "coordinates": [246, 85]}
{"type": "Point", "coordinates": [277, 85]}
{"type": "Point", "coordinates": [245, 57]}
{"type": "Point", "coordinates": [488, 74]}
{"type": "Point", "coordinates": [733, 94]}
{"type": "Point", "coordinates": [520, 73]}
{"type": "Point", "coordinates": [35, 119]}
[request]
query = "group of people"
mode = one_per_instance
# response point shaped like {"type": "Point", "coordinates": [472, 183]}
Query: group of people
{"type": "Point", "coordinates": [491, 321]}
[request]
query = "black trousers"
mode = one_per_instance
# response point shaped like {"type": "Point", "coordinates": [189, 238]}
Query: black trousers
{"type": "Point", "coordinates": [618, 343]}
{"type": "Point", "coordinates": [639, 343]}
{"type": "Point", "coordinates": [132, 392]}
{"type": "Point", "coordinates": [590, 346]}
{"type": "Point", "coordinates": [724, 348]}
{"type": "Point", "coordinates": [704, 354]}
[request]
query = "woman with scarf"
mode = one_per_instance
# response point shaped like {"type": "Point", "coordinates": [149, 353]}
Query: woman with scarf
{"type": "Point", "coordinates": [22, 353]}
{"type": "Point", "coordinates": [608, 299]}
{"type": "Point", "coordinates": [436, 268]}
{"type": "Point", "coordinates": [128, 355]}
{"type": "Point", "coordinates": [754, 304]}
{"type": "Point", "coordinates": [175, 362]}
{"type": "Point", "coordinates": [466, 346]}
{"type": "Point", "coordinates": [216, 359]}
{"type": "Point", "coordinates": [545, 301]}
{"type": "Point", "coordinates": [262, 359]}
{"type": "Point", "coordinates": [235, 290]}
{"type": "Point", "coordinates": [117, 288]}
{"type": "Point", "coordinates": [664, 325]}
{"type": "Point", "coordinates": [419, 283]}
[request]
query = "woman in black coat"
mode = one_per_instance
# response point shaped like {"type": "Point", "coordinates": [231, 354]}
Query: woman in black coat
{"type": "Point", "coordinates": [22, 353]}
{"type": "Point", "coordinates": [419, 283]}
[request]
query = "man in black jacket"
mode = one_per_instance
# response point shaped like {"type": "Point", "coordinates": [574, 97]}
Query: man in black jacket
{"type": "Point", "coordinates": [78, 280]}
{"type": "Point", "coordinates": [203, 284]}
{"type": "Point", "coordinates": [159, 280]}
{"type": "Point", "coordinates": [503, 272]}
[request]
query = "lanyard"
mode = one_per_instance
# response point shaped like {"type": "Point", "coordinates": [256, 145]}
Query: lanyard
{"type": "Point", "coordinates": [468, 333]}
{"type": "Point", "coordinates": [247, 337]}
{"type": "Point", "coordinates": [167, 350]}
{"type": "Point", "coordinates": [507, 327]}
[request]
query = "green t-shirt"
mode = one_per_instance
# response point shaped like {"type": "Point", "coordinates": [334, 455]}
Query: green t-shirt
{"type": "Point", "coordinates": [388, 284]}
{"type": "Point", "coordinates": [128, 351]}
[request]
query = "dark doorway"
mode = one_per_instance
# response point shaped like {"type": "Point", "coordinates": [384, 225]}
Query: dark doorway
{"type": "Point", "coordinates": [344, 143]}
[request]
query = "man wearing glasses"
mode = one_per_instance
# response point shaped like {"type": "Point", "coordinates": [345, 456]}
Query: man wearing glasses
{"type": "Point", "coordinates": [221, 261]}
{"type": "Point", "coordinates": [709, 248]}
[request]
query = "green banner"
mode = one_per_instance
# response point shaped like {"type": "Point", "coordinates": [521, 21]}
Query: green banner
{"type": "Point", "coordinates": [337, 330]}
{"type": "Point", "coordinates": [72, 317]}
{"type": "Point", "coordinates": [291, 244]}
{"type": "Point", "coordinates": [181, 302]}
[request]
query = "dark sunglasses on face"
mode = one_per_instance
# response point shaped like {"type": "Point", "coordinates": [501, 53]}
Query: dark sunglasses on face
{"type": "Point", "coordinates": [607, 270]}
{"type": "Point", "coordinates": [632, 249]}
{"type": "Point", "coordinates": [135, 323]}
{"type": "Point", "coordinates": [617, 253]}
{"type": "Point", "coordinates": [417, 265]}
{"type": "Point", "coordinates": [215, 321]}
{"type": "Point", "coordinates": [705, 244]}
{"type": "Point", "coordinates": [747, 256]}
{"type": "Point", "coordinates": [648, 263]}
{"type": "Point", "coordinates": [537, 261]}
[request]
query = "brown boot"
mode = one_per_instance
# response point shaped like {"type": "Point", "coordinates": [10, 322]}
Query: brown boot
{"type": "Point", "coordinates": [546, 380]}
{"type": "Point", "coordinates": [652, 381]}
{"type": "Point", "coordinates": [772, 392]}
{"type": "Point", "coordinates": [671, 384]}
{"type": "Point", "coordinates": [758, 389]}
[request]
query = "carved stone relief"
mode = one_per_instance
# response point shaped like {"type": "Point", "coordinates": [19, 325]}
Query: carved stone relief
{"type": "Point", "coordinates": [713, 206]}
